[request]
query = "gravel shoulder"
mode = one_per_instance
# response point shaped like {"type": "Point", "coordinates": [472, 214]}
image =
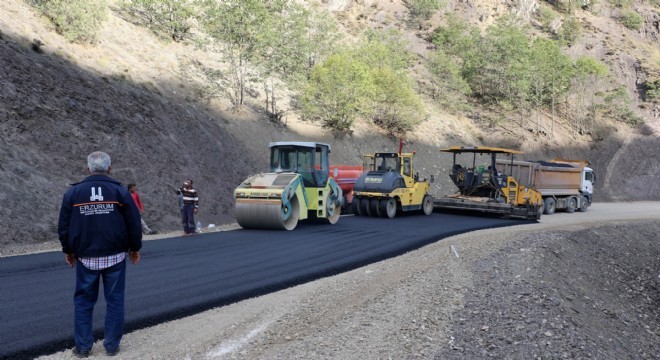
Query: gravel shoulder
{"type": "Point", "coordinates": [582, 285]}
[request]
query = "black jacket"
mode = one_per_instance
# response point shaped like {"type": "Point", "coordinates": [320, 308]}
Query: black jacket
{"type": "Point", "coordinates": [98, 218]}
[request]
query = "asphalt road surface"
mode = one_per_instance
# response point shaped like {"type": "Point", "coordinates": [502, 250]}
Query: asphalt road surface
{"type": "Point", "coordinates": [178, 277]}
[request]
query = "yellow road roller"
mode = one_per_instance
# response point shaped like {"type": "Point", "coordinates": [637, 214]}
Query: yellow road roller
{"type": "Point", "coordinates": [390, 186]}
{"type": "Point", "coordinates": [298, 187]}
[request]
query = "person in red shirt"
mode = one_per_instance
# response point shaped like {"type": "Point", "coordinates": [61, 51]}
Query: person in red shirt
{"type": "Point", "coordinates": [132, 188]}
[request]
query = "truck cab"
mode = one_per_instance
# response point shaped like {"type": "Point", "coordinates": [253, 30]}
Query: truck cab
{"type": "Point", "coordinates": [587, 183]}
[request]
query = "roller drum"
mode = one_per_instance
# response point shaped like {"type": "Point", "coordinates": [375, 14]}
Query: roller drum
{"type": "Point", "coordinates": [266, 214]}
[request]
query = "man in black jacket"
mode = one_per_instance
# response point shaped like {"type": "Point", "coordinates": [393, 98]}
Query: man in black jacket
{"type": "Point", "coordinates": [190, 205]}
{"type": "Point", "coordinates": [99, 226]}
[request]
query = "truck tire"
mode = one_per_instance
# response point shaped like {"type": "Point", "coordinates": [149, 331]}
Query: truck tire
{"type": "Point", "coordinates": [427, 205]}
{"type": "Point", "coordinates": [374, 210]}
{"type": "Point", "coordinates": [584, 204]}
{"type": "Point", "coordinates": [364, 207]}
{"type": "Point", "coordinates": [549, 206]}
{"type": "Point", "coordinates": [388, 208]}
{"type": "Point", "coordinates": [355, 205]}
{"type": "Point", "coordinates": [572, 205]}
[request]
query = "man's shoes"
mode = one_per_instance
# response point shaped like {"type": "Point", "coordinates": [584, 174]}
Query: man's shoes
{"type": "Point", "coordinates": [112, 353]}
{"type": "Point", "coordinates": [152, 232]}
{"type": "Point", "coordinates": [80, 354]}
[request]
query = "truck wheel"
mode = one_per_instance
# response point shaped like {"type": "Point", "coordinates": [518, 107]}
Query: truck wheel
{"type": "Point", "coordinates": [388, 208]}
{"type": "Point", "coordinates": [572, 205]}
{"type": "Point", "coordinates": [364, 207]}
{"type": "Point", "coordinates": [333, 210]}
{"type": "Point", "coordinates": [427, 205]}
{"type": "Point", "coordinates": [549, 206]}
{"type": "Point", "coordinates": [374, 209]}
{"type": "Point", "coordinates": [583, 204]}
{"type": "Point", "coordinates": [355, 205]}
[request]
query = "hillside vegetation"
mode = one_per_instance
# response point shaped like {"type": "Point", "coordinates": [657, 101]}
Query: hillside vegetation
{"type": "Point", "coordinates": [175, 89]}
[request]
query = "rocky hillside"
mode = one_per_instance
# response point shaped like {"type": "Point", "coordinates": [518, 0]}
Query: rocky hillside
{"type": "Point", "coordinates": [129, 96]}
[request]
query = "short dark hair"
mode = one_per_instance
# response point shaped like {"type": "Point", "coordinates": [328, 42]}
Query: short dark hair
{"type": "Point", "coordinates": [129, 186]}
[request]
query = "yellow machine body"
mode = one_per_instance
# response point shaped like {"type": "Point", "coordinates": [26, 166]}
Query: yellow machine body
{"type": "Point", "coordinates": [389, 185]}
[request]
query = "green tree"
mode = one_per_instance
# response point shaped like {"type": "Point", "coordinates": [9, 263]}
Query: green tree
{"type": "Point", "coordinates": [448, 87]}
{"type": "Point", "coordinates": [550, 74]}
{"type": "Point", "coordinates": [570, 31]}
{"type": "Point", "coordinates": [383, 49]}
{"type": "Point", "coordinates": [457, 38]}
{"type": "Point", "coordinates": [582, 101]}
{"type": "Point", "coordinates": [339, 91]}
{"type": "Point", "coordinates": [500, 71]}
{"type": "Point", "coordinates": [652, 90]}
{"type": "Point", "coordinates": [547, 17]}
{"type": "Point", "coordinates": [239, 28]}
{"type": "Point", "coordinates": [617, 105]}
{"type": "Point", "coordinates": [368, 80]}
{"type": "Point", "coordinates": [422, 10]}
{"type": "Point", "coordinates": [170, 18]}
{"type": "Point", "coordinates": [297, 38]}
{"type": "Point", "coordinates": [632, 20]}
{"type": "Point", "coordinates": [396, 106]}
{"type": "Point", "coordinates": [321, 37]}
{"type": "Point", "coordinates": [622, 4]}
{"type": "Point", "coordinates": [78, 21]}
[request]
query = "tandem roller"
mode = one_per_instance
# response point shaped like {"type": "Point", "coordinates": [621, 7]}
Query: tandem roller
{"type": "Point", "coordinates": [298, 187]}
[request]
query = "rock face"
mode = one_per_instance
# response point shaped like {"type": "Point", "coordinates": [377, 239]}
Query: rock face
{"type": "Point", "coordinates": [52, 115]}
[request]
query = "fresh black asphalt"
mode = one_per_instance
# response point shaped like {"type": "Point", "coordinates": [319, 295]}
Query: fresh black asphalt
{"type": "Point", "coordinates": [178, 277]}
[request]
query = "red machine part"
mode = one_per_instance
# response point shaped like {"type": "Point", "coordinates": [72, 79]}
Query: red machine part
{"type": "Point", "coordinates": [346, 177]}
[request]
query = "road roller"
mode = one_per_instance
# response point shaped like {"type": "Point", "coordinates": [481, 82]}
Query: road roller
{"type": "Point", "coordinates": [390, 186]}
{"type": "Point", "coordinates": [298, 187]}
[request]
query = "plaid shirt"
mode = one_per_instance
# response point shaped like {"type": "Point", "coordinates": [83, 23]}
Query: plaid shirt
{"type": "Point", "coordinates": [104, 262]}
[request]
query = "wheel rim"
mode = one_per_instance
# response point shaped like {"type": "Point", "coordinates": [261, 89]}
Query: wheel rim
{"type": "Point", "coordinates": [390, 208]}
{"type": "Point", "coordinates": [549, 206]}
{"type": "Point", "coordinates": [333, 210]}
{"type": "Point", "coordinates": [583, 203]}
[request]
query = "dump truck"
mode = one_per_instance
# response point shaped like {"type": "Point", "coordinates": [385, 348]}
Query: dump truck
{"type": "Point", "coordinates": [485, 187]}
{"type": "Point", "coordinates": [297, 187]}
{"type": "Point", "coordinates": [390, 186]}
{"type": "Point", "coordinates": [564, 184]}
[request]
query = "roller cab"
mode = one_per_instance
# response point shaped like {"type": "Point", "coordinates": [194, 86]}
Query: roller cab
{"type": "Point", "coordinates": [298, 187]}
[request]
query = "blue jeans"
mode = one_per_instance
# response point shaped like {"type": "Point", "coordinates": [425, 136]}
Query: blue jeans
{"type": "Point", "coordinates": [87, 292]}
{"type": "Point", "coordinates": [188, 219]}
